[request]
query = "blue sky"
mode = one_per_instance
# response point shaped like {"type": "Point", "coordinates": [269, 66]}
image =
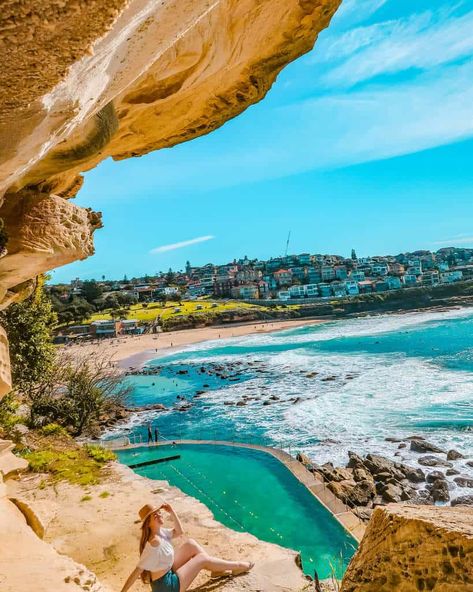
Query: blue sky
{"type": "Point", "coordinates": [365, 142]}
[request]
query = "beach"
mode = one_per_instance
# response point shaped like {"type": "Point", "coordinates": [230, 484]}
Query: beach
{"type": "Point", "coordinates": [135, 350]}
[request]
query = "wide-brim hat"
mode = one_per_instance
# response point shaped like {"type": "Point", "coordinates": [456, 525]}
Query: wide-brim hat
{"type": "Point", "coordinates": [146, 511]}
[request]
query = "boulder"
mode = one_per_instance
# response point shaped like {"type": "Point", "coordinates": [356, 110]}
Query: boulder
{"type": "Point", "coordinates": [451, 472]}
{"type": "Point", "coordinates": [462, 481]}
{"type": "Point", "coordinates": [363, 513]}
{"type": "Point", "coordinates": [392, 493]}
{"type": "Point", "coordinates": [361, 475]}
{"type": "Point", "coordinates": [423, 446]}
{"type": "Point", "coordinates": [439, 490]}
{"type": "Point", "coordinates": [463, 500]}
{"type": "Point", "coordinates": [412, 474]}
{"type": "Point", "coordinates": [362, 493]}
{"type": "Point", "coordinates": [355, 461]}
{"type": "Point", "coordinates": [342, 489]}
{"type": "Point", "coordinates": [414, 549]}
{"type": "Point", "coordinates": [332, 473]}
{"type": "Point", "coordinates": [454, 455]}
{"type": "Point", "coordinates": [433, 461]}
{"type": "Point", "coordinates": [434, 475]}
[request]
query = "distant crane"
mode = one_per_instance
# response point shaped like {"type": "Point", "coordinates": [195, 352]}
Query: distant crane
{"type": "Point", "coordinates": [287, 243]}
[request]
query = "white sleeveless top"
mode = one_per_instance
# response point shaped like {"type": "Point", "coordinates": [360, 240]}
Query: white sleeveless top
{"type": "Point", "coordinates": [158, 558]}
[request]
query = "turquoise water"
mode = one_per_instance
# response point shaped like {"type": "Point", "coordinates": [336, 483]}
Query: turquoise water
{"type": "Point", "coordinates": [376, 377]}
{"type": "Point", "coordinates": [251, 491]}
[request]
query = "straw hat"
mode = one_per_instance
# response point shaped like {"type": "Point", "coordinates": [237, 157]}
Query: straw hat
{"type": "Point", "coordinates": [146, 510]}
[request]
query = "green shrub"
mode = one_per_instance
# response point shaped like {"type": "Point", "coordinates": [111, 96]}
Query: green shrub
{"type": "Point", "coordinates": [53, 429]}
{"type": "Point", "coordinates": [81, 465]}
{"type": "Point", "coordinates": [99, 454]}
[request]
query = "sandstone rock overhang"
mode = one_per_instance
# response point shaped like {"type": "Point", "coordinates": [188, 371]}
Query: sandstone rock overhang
{"type": "Point", "coordinates": [81, 81]}
{"type": "Point", "coordinates": [414, 548]}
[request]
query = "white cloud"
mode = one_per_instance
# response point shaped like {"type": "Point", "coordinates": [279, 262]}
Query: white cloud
{"type": "Point", "coordinates": [465, 240]}
{"type": "Point", "coordinates": [181, 245]}
{"type": "Point", "coordinates": [421, 41]}
{"type": "Point", "coordinates": [354, 11]}
{"type": "Point", "coordinates": [353, 127]}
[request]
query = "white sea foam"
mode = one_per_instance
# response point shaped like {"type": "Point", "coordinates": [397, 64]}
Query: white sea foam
{"type": "Point", "coordinates": [367, 397]}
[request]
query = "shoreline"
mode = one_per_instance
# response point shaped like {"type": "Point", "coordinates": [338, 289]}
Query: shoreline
{"type": "Point", "coordinates": [134, 351]}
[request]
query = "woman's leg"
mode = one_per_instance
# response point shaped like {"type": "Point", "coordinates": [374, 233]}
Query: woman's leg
{"type": "Point", "coordinates": [189, 571]}
{"type": "Point", "coordinates": [185, 552]}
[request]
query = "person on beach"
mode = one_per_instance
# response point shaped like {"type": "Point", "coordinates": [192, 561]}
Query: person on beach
{"type": "Point", "coordinates": [173, 570]}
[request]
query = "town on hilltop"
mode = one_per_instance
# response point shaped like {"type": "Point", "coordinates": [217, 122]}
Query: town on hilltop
{"type": "Point", "coordinates": [295, 277]}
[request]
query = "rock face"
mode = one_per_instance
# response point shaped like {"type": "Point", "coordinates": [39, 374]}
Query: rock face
{"type": "Point", "coordinates": [414, 548]}
{"type": "Point", "coordinates": [82, 81]}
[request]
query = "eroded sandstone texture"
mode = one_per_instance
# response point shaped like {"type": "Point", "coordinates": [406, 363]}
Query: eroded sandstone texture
{"type": "Point", "coordinates": [414, 549]}
{"type": "Point", "coordinates": [84, 80]}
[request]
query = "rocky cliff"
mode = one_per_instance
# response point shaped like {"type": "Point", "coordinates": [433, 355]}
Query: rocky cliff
{"type": "Point", "coordinates": [81, 81]}
{"type": "Point", "coordinates": [413, 549]}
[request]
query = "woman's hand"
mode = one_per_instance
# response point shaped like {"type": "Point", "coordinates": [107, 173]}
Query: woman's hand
{"type": "Point", "coordinates": [167, 508]}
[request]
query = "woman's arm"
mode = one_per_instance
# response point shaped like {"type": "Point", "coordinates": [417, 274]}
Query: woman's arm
{"type": "Point", "coordinates": [135, 574]}
{"type": "Point", "coordinates": [178, 530]}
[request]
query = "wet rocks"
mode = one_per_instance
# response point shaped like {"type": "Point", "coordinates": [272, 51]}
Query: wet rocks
{"type": "Point", "coordinates": [434, 476]}
{"type": "Point", "coordinates": [422, 446]}
{"type": "Point", "coordinates": [439, 490]}
{"type": "Point", "coordinates": [367, 482]}
{"type": "Point", "coordinates": [463, 481]}
{"type": "Point", "coordinates": [155, 407]}
{"type": "Point", "coordinates": [463, 500]}
{"type": "Point", "coordinates": [454, 455]}
{"type": "Point", "coordinates": [433, 461]}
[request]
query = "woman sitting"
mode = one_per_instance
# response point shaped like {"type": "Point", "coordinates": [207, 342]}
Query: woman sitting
{"type": "Point", "coordinates": [169, 570]}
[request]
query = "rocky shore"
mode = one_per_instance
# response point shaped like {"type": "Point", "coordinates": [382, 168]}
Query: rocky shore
{"type": "Point", "coordinates": [373, 480]}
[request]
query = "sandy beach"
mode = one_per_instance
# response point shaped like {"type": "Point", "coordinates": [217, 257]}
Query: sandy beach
{"type": "Point", "coordinates": [135, 350]}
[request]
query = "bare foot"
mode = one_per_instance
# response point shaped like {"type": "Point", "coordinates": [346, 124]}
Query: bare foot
{"type": "Point", "coordinates": [245, 567]}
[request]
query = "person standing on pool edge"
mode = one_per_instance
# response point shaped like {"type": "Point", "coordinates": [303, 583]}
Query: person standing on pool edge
{"type": "Point", "coordinates": [169, 570]}
{"type": "Point", "coordinates": [150, 433]}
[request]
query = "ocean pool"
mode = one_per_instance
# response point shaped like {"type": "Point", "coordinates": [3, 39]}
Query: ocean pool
{"type": "Point", "coordinates": [251, 491]}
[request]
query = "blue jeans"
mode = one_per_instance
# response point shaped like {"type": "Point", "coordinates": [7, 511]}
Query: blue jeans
{"type": "Point", "coordinates": [169, 582]}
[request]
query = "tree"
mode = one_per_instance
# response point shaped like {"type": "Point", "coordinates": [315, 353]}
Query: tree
{"type": "Point", "coordinates": [28, 325]}
{"type": "Point", "coordinates": [82, 391]}
{"type": "Point", "coordinates": [91, 290]}
{"type": "Point", "coordinates": [170, 277]}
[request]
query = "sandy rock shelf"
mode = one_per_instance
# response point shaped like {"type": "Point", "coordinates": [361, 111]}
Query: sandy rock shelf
{"type": "Point", "coordinates": [100, 533]}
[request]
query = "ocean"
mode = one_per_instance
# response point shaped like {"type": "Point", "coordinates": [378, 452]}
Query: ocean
{"type": "Point", "coordinates": [325, 389]}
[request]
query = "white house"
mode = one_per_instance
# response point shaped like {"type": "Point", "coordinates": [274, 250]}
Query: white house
{"type": "Point", "coordinates": [451, 276]}
{"type": "Point", "coordinates": [311, 290]}
{"type": "Point", "coordinates": [352, 288]}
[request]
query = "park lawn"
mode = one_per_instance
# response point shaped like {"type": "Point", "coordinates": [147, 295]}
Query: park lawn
{"type": "Point", "coordinates": [154, 309]}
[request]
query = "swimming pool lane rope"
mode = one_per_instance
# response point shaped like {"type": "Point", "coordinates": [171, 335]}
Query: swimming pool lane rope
{"type": "Point", "coordinates": [244, 508]}
{"type": "Point", "coordinates": [237, 503]}
{"type": "Point", "coordinates": [205, 478]}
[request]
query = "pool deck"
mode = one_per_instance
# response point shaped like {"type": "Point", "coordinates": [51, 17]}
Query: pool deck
{"type": "Point", "coordinates": [350, 522]}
